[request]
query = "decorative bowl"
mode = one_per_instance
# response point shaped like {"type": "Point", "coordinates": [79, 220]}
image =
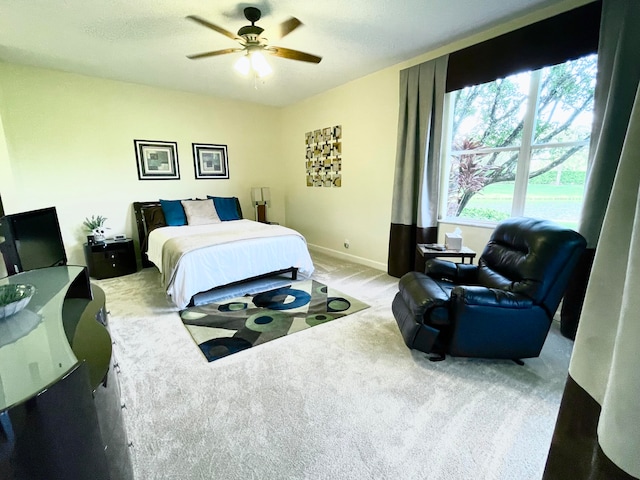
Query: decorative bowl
{"type": "Point", "coordinates": [14, 297]}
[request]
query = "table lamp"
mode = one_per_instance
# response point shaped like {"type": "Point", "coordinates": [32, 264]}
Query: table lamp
{"type": "Point", "coordinates": [261, 196]}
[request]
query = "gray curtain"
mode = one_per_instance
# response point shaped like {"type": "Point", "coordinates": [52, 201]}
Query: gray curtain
{"type": "Point", "coordinates": [618, 71]}
{"type": "Point", "coordinates": [597, 434]}
{"type": "Point", "coordinates": [417, 176]}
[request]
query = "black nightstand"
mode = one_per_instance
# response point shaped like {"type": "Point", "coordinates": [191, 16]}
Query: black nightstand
{"type": "Point", "coordinates": [111, 258]}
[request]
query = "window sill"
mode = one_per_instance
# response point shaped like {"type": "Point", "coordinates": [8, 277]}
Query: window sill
{"type": "Point", "coordinates": [468, 223]}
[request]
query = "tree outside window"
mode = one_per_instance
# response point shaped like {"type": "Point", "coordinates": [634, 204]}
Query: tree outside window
{"type": "Point", "coordinates": [519, 145]}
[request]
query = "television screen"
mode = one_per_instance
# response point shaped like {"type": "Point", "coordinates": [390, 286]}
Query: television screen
{"type": "Point", "coordinates": [36, 239]}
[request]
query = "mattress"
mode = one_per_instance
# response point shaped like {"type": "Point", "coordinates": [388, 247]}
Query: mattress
{"type": "Point", "coordinates": [197, 258]}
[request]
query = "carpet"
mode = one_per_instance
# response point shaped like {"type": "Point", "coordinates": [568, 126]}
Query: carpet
{"type": "Point", "coordinates": [234, 325]}
{"type": "Point", "coordinates": [344, 400]}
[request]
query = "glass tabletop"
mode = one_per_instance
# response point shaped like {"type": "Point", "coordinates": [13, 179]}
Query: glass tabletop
{"type": "Point", "coordinates": [34, 349]}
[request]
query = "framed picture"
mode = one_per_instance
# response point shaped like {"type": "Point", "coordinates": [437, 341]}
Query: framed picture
{"type": "Point", "coordinates": [210, 161]}
{"type": "Point", "coordinates": [157, 160]}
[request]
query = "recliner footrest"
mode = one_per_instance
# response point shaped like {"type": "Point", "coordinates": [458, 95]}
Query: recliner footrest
{"type": "Point", "coordinates": [415, 334]}
{"type": "Point", "coordinates": [420, 295]}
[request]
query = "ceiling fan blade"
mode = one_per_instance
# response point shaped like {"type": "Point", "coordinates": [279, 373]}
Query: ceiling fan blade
{"type": "Point", "coordinates": [293, 54]}
{"type": "Point", "coordinates": [214, 53]}
{"type": "Point", "coordinates": [213, 27]}
{"type": "Point", "coordinates": [288, 26]}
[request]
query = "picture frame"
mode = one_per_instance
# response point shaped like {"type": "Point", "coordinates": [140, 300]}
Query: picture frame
{"type": "Point", "coordinates": [210, 161]}
{"type": "Point", "coordinates": [157, 160]}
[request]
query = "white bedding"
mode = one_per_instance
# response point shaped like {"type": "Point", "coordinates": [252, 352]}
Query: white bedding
{"type": "Point", "coordinates": [231, 258]}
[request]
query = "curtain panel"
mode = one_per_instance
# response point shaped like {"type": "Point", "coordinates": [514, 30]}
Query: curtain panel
{"type": "Point", "coordinates": [597, 433]}
{"type": "Point", "coordinates": [618, 73]}
{"type": "Point", "coordinates": [414, 213]}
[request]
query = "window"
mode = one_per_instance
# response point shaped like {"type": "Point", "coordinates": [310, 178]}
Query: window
{"type": "Point", "coordinates": [519, 145]}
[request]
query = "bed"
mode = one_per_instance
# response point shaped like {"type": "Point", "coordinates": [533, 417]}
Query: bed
{"type": "Point", "coordinates": [198, 257]}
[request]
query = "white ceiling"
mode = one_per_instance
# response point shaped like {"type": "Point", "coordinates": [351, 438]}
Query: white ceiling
{"type": "Point", "coordinates": [146, 41]}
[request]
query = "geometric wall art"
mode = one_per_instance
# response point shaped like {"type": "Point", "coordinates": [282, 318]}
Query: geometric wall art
{"type": "Point", "coordinates": [324, 157]}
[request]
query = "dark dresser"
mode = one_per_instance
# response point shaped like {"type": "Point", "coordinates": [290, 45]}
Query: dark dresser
{"type": "Point", "coordinates": [60, 404]}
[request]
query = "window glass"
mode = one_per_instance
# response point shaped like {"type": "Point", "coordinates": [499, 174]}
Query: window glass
{"type": "Point", "coordinates": [476, 190]}
{"type": "Point", "coordinates": [557, 193]}
{"type": "Point", "coordinates": [489, 114]}
{"type": "Point", "coordinates": [519, 145]}
{"type": "Point", "coordinates": [565, 102]}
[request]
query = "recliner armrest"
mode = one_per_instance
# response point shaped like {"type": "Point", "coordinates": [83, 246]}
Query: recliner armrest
{"type": "Point", "coordinates": [421, 293]}
{"type": "Point", "coordinates": [460, 273]}
{"type": "Point", "coordinates": [489, 297]}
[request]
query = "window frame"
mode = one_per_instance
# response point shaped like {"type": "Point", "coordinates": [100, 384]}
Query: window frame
{"type": "Point", "coordinates": [525, 150]}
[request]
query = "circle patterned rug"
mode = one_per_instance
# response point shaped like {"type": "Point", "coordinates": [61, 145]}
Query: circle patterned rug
{"type": "Point", "coordinates": [221, 329]}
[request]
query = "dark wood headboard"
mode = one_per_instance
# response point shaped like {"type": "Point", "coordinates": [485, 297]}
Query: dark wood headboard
{"type": "Point", "coordinates": [138, 210]}
{"type": "Point", "coordinates": [143, 231]}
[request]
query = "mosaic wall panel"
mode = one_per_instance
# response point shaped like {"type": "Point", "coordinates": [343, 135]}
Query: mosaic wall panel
{"type": "Point", "coordinates": [324, 157]}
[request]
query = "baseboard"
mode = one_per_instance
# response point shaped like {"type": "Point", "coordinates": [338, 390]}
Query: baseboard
{"type": "Point", "coordinates": [349, 257]}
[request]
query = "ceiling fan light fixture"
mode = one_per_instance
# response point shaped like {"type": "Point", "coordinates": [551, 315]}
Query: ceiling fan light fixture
{"type": "Point", "coordinates": [259, 64]}
{"type": "Point", "coordinates": [243, 65]}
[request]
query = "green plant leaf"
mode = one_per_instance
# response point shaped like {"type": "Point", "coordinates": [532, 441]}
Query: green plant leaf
{"type": "Point", "coordinates": [94, 222]}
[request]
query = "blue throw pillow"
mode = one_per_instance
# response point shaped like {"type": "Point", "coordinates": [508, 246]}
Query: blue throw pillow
{"type": "Point", "coordinates": [173, 212]}
{"type": "Point", "coordinates": [226, 208]}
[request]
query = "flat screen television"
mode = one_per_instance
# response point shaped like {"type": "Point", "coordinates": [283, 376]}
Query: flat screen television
{"type": "Point", "coordinates": [32, 240]}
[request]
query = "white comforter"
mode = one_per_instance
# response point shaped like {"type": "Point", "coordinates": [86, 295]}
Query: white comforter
{"type": "Point", "coordinates": [239, 249]}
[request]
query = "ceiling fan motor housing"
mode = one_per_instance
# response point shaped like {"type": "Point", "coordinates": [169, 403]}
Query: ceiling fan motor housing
{"type": "Point", "coordinates": [252, 14]}
{"type": "Point", "coordinates": [250, 31]}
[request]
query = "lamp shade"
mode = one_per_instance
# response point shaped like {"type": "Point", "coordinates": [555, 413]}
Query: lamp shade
{"type": "Point", "coordinates": [266, 194]}
{"type": "Point", "coordinates": [260, 195]}
{"type": "Point", "coordinates": [256, 194]}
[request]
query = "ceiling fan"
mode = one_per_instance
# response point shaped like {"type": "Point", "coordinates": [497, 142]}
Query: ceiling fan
{"type": "Point", "coordinates": [253, 44]}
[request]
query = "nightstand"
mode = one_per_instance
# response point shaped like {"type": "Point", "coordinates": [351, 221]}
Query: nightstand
{"type": "Point", "coordinates": [463, 253]}
{"type": "Point", "coordinates": [110, 258]}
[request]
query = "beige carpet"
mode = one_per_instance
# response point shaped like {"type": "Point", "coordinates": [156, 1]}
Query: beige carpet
{"type": "Point", "coordinates": [343, 400]}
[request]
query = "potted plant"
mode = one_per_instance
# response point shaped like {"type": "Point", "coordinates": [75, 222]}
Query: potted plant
{"type": "Point", "coordinates": [95, 225]}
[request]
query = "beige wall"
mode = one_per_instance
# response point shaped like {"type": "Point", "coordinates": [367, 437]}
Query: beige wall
{"type": "Point", "coordinates": [359, 210]}
{"type": "Point", "coordinates": [69, 140]}
{"type": "Point", "coordinates": [367, 109]}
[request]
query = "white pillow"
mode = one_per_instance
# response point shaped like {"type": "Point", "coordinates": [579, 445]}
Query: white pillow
{"type": "Point", "coordinates": [200, 212]}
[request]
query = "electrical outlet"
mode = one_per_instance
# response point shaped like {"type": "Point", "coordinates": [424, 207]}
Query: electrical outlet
{"type": "Point", "coordinates": [346, 243]}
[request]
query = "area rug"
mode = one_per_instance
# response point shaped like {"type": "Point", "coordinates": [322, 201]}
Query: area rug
{"type": "Point", "coordinates": [228, 327]}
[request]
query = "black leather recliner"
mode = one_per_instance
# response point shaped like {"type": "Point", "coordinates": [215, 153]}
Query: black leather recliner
{"type": "Point", "coordinates": [500, 308]}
